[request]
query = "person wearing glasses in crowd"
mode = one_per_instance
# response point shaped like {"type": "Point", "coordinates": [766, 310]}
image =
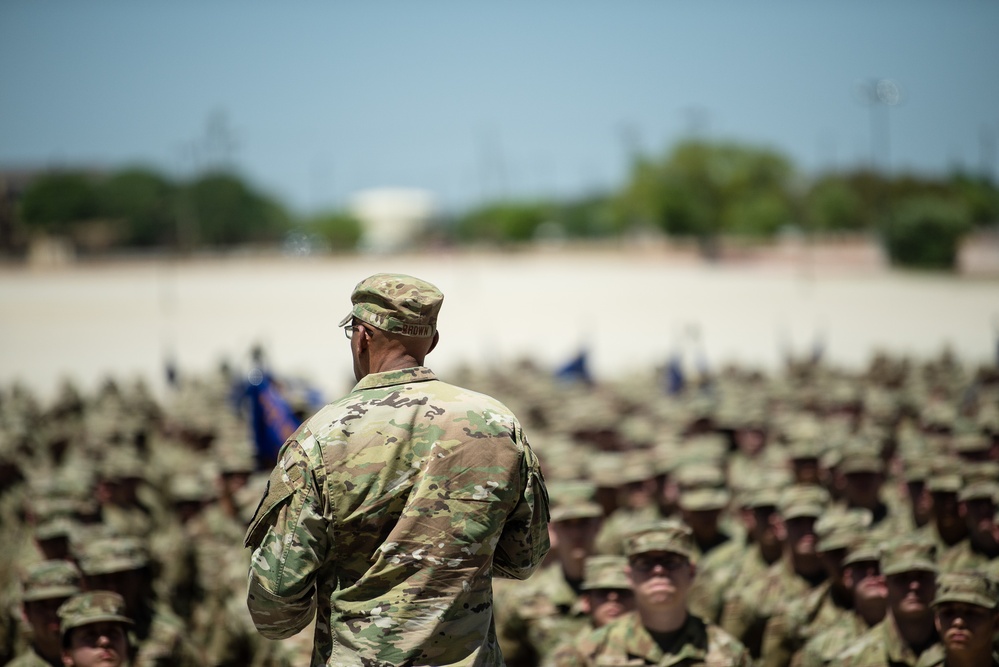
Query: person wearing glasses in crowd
{"type": "Point", "coordinates": [661, 630]}
{"type": "Point", "coordinates": [390, 510]}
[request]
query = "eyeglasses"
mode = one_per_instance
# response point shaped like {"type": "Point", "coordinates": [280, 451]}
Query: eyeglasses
{"type": "Point", "coordinates": [668, 563]}
{"type": "Point", "coordinates": [348, 330]}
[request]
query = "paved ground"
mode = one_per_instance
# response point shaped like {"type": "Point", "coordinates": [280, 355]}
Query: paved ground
{"type": "Point", "coordinates": [630, 307]}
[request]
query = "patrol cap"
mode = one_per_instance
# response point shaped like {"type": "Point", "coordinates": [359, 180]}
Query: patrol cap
{"type": "Point", "coordinates": [605, 572]}
{"type": "Point", "coordinates": [108, 555]}
{"type": "Point", "coordinates": [671, 536]}
{"type": "Point", "coordinates": [396, 303]}
{"type": "Point", "coordinates": [867, 549]}
{"type": "Point", "coordinates": [49, 579]}
{"type": "Point", "coordinates": [839, 530]}
{"type": "Point", "coordinates": [908, 556]}
{"type": "Point", "coordinates": [92, 607]}
{"type": "Point", "coordinates": [982, 490]}
{"type": "Point", "coordinates": [974, 588]}
{"type": "Point", "coordinates": [703, 500]}
{"type": "Point", "coordinates": [573, 499]}
{"type": "Point", "coordinates": [861, 463]}
{"type": "Point", "coordinates": [802, 500]}
{"type": "Point", "coordinates": [944, 483]}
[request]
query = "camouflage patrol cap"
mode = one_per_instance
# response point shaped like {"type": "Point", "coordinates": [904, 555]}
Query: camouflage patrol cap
{"type": "Point", "coordinates": [671, 536]}
{"type": "Point", "coordinates": [573, 499]}
{"type": "Point", "coordinates": [974, 588]}
{"type": "Point", "coordinates": [908, 555]}
{"type": "Point", "coordinates": [108, 555]}
{"type": "Point", "coordinates": [605, 572]}
{"type": "Point", "coordinates": [49, 579]}
{"type": "Point", "coordinates": [947, 482]}
{"type": "Point", "coordinates": [838, 530]}
{"type": "Point", "coordinates": [396, 303]}
{"type": "Point", "coordinates": [971, 443]}
{"type": "Point", "coordinates": [866, 549]}
{"type": "Point", "coordinates": [705, 499]}
{"type": "Point", "coordinates": [802, 500]}
{"type": "Point", "coordinates": [857, 462]}
{"type": "Point", "coordinates": [92, 607]}
{"type": "Point", "coordinates": [981, 490]}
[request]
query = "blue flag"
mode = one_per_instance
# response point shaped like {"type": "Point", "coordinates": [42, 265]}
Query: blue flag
{"type": "Point", "coordinates": [575, 370]}
{"type": "Point", "coordinates": [272, 418]}
{"type": "Point", "coordinates": [675, 380]}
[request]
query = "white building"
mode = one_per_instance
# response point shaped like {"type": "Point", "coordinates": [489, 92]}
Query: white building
{"type": "Point", "coordinates": [392, 218]}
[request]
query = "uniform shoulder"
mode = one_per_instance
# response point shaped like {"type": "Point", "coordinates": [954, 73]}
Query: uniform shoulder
{"type": "Point", "coordinates": [721, 640]}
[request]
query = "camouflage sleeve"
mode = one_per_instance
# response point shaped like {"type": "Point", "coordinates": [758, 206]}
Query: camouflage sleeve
{"type": "Point", "coordinates": [288, 535]}
{"type": "Point", "coordinates": [523, 543]}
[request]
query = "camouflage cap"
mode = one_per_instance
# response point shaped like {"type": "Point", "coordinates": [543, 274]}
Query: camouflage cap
{"type": "Point", "coordinates": [974, 588]}
{"type": "Point", "coordinates": [908, 555]}
{"type": "Point", "coordinates": [573, 499]}
{"type": "Point", "coordinates": [865, 550]}
{"type": "Point", "coordinates": [92, 607]}
{"type": "Point", "coordinates": [971, 443]}
{"type": "Point", "coordinates": [839, 530]}
{"type": "Point", "coordinates": [803, 500]}
{"type": "Point", "coordinates": [705, 499]}
{"type": "Point", "coordinates": [861, 463]}
{"type": "Point", "coordinates": [396, 303]}
{"type": "Point", "coordinates": [107, 555]}
{"type": "Point", "coordinates": [982, 490]}
{"type": "Point", "coordinates": [49, 579]}
{"type": "Point", "coordinates": [944, 483]}
{"type": "Point", "coordinates": [671, 536]}
{"type": "Point", "coordinates": [605, 572]}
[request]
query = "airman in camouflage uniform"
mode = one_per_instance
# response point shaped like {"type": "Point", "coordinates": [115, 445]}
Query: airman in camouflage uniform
{"type": "Point", "coordinates": [827, 604]}
{"type": "Point", "coordinates": [862, 575]}
{"type": "Point", "coordinates": [93, 627]}
{"type": "Point", "coordinates": [980, 550]}
{"type": "Point", "coordinates": [536, 616]}
{"type": "Point", "coordinates": [390, 510]}
{"type": "Point", "coordinates": [122, 565]}
{"type": "Point", "coordinates": [661, 631]}
{"type": "Point", "coordinates": [967, 619]}
{"type": "Point", "coordinates": [46, 585]}
{"type": "Point", "coordinates": [799, 571]}
{"type": "Point", "coordinates": [906, 637]}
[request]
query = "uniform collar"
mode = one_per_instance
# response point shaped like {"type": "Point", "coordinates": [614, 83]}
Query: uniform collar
{"type": "Point", "coordinates": [390, 378]}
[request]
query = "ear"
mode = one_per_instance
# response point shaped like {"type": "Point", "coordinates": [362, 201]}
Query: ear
{"type": "Point", "coordinates": [584, 604]}
{"type": "Point", "coordinates": [433, 343]}
{"type": "Point", "coordinates": [66, 658]}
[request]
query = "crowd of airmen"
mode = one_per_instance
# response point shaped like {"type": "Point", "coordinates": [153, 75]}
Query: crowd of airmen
{"type": "Point", "coordinates": [801, 489]}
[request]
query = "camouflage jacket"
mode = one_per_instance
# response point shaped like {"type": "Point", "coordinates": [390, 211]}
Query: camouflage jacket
{"type": "Point", "coordinates": [822, 648]}
{"type": "Point", "coordinates": [883, 646]}
{"type": "Point", "coordinates": [625, 642]}
{"type": "Point", "coordinates": [30, 658]}
{"type": "Point", "coordinates": [387, 514]}
{"type": "Point", "coordinates": [538, 616]}
{"type": "Point", "coordinates": [787, 631]}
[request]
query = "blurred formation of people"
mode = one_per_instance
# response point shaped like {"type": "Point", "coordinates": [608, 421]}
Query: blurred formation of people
{"type": "Point", "coordinates": [825, 511]}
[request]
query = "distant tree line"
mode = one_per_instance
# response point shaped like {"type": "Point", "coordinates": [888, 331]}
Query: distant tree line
{"type": "Point", "coordinates": [698, 190]}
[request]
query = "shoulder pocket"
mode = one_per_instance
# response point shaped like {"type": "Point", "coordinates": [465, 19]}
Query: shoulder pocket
{"type": "Point", "coordinates": [280, 485]}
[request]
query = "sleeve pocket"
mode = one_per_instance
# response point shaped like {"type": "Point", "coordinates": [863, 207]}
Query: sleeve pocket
{"type": "Point", "coordinates": [280, 486]}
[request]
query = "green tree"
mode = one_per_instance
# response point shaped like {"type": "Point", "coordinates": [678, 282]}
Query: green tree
{"type": "Point", "coordinates": [340, 229]}
{"type": "Point", "coordinates": [925, 231]}
{"type": "Point", "coordinates": [831, 204]}
{"type": "Point", "coordinates": [503, 222]}
{"type": "Point", "coordinates": [705, 189]}
{"type": "Point", "coordinates": [226, 211]}
{"type": "Point", "coordinates": [57, 202]}
{"type": "Point", "coordinates": [145, 202]}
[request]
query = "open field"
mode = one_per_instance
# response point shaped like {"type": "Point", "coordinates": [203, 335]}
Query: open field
{"type": "Point", "coordinates": [631, 308]}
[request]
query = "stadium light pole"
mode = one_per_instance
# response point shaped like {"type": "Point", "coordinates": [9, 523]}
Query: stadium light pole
{"type": "Point", "coordinates": [879, 95]}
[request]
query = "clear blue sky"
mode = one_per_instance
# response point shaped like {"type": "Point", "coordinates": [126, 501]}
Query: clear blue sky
{"type": "Point", "coordinates": [481, 99]}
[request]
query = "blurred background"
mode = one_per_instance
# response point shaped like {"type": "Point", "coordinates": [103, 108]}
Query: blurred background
{"type": "Point", "coordinates": [755, 178]}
